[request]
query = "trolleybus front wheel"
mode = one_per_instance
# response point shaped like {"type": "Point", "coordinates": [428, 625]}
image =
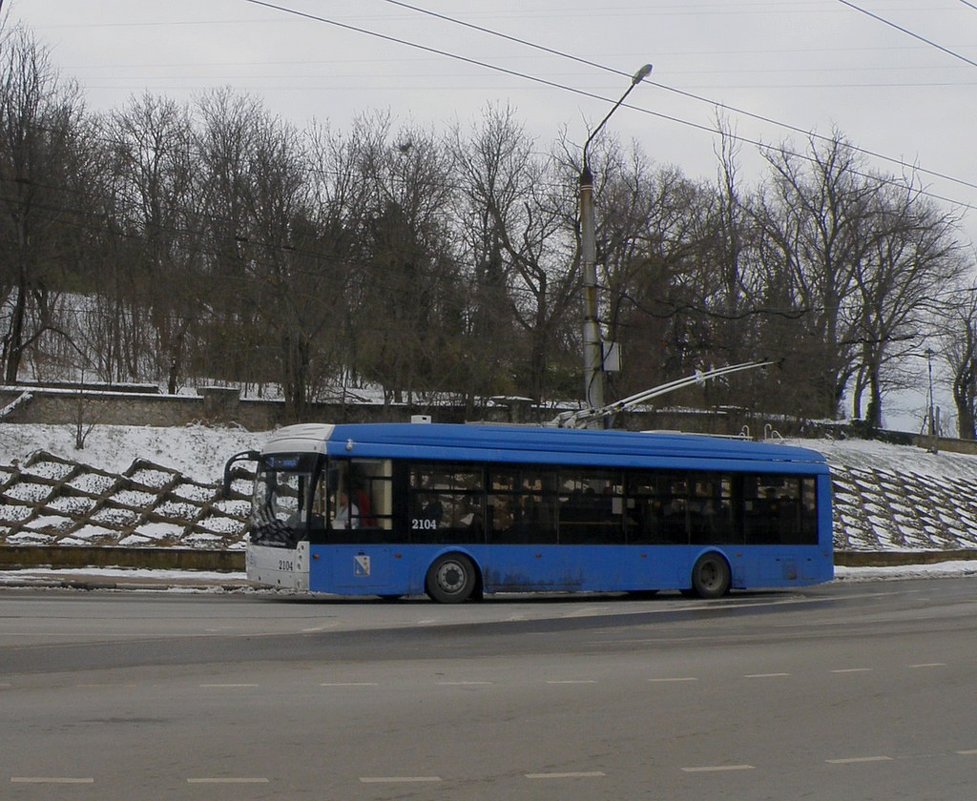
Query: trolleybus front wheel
{"type": "Point", "coordinates": [710, 576]}
{"type": "Point", "coordinates": [451, 579]}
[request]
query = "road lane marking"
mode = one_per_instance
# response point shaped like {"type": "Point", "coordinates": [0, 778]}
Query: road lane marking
{"type": "Point", "coordinates": [927, 665]}
{"type": "Point", "coordinates": [463, 683]}
{"type": "Point", "coordinates": [228, 780]}
{"type": "Point", "coordinates": [228, 686]}
{"type": "Point", "coordinates": [581, 774]}
{"type": "Point", "coordinates": [853, 670]}
{"type": "Point", "coordinates": [717, 768]}
{"type": "Point", "coordinates": [349, 684]}
{"type": "Point", "coordinates": [858, 760]}
{"type": "Point", "coordinates": [399, 779]}
{"type": "Point", "coordinates": [104, 685]}
{"type": "Point", "coordinates": [50, 780]}
{"type": "Point", "coordinates": [766, 675]}
{"type": "Point", "coordinates": [676, 678]}
{"type": "Point", "coordinates": [572, 681]}
{"type": "Point", "coordinates": [971, 752]}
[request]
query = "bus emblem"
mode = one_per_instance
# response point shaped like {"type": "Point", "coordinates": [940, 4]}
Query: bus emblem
{"type": "Point", "coordinates": [361, 568]}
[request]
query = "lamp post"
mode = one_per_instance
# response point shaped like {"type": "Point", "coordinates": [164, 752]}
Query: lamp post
{"type": "Point", "coordinates": [593, 356]}
{"type": "Point", "coordinates": [929, 396]}
{"type": "Point", "coordinates": [932, 414]}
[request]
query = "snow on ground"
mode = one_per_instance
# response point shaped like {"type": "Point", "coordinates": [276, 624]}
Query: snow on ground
{"type": "Point", "coordinates": [197, 451]}
{"type": "Point", "coordinates": [940, 570]}
{"type": "Point", "coordinates": [868, 454]}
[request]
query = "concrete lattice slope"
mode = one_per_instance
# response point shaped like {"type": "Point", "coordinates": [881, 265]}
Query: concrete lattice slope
{"type": "Point", "coordinates": [54, 501]}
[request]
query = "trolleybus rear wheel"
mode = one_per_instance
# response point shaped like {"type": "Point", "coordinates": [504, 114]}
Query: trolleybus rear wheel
{"type": "Point", "coordinates": [451, 579]}
{"type": "Point", "coordinates": [710, 576]}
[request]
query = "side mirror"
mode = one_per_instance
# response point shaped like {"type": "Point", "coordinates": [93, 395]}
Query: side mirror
{"type": "Point", "coordinates": [243, 456]}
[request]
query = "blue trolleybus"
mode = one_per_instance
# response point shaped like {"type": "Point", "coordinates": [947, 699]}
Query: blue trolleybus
{"type": "Point", "coordinates": [456, 511]}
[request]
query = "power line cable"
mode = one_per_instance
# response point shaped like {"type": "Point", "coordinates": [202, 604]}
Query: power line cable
{"type": "Point", "coordinates": [908, 32]}
{"type": "Point", "coordinates": [683, 93]}
{"type": "Point", "coordinates": [553, 84]}
{"type": "Point", "coordinates": [591, 95]}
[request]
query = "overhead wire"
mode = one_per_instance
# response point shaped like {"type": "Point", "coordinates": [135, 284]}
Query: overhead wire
{"type": "Point", "coordinates": [587, 62]}
{"type": "Point", "coordinates": [908, 32]}
{"type": "Point", "coordinates": [592, 95]}
{"type": "Point", "coordinates": [763, 146]}
{"type": "Point", "coordinates": [674, 90]}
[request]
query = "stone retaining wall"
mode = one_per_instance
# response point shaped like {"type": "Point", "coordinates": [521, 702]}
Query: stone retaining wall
{"type": "Point", "coordinates": [212, 405]}
{"type": "Point", "coordinates": [223, 405]}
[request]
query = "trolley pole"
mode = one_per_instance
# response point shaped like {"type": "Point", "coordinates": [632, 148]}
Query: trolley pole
{"type": "Point", "coordinates": [593, 355]}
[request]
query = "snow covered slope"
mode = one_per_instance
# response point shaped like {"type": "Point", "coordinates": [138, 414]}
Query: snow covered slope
{"type": "Point", "coordinates": [890, 497]}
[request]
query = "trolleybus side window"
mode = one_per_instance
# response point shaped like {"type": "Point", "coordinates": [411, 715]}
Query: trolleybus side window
{"type": "Point", "coordinates": [591, 507]}
{"type": "Point", "coordinates": [446, 503]}
{"type": "Point", "coordinates": [779, 510]}
{"type": "Point", "coordinates": [354, 494]}
{"type": "Point", "coordinates": [645, 520]}
{"type": "Point", "coordinates": [521, 505]}
{"type": "Point", "coordinates": [711, 509]}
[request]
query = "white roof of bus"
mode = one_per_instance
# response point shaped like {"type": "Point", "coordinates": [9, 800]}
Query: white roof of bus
{"type": "Point", "coordinates": [303, 437]}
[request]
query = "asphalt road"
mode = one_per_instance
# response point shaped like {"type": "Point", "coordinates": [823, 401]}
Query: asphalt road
{"type": "Point", "coordinates": [861, 691]}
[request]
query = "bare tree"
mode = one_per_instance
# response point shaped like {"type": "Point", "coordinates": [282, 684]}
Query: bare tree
{"type": "Point", "coordinates": [902, 281]}
{"type": "Point", "coordinates": [223, 146]}
{"type": "Point", "coordinates": [489, 160]}
{"type": "Point", "coordinates": [537, 240]}
{"type": "Point", "coordinates": [408, 259]}
{"type": "Point", "coordinates": [817, 217]}
{"type": "Point", "coordinates": [39, 124]}
{"type": "Point", "coordinates": [959, 338]}
{"type": "Point", "coordinates": [283, 266]}
{"type": "Point", "coordinates": [339, 205]}
{"type": "Point", "coordinates": [649, 246]}
{"type": "Point", "coordinates": [153, 157]}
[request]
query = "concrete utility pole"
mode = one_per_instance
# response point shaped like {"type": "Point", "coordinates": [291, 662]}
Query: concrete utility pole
{"type": "Point", "coordinates": [593, 355]}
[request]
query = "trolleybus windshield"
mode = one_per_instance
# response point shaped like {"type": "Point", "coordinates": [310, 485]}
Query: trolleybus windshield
{"type": "Point", "coordinates": [282, 496]}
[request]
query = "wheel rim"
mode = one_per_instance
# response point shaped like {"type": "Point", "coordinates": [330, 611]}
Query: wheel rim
{"type": "Point", "coordinates": [451, 577]}
{"type": "Point", "coordinates": [710, 575]}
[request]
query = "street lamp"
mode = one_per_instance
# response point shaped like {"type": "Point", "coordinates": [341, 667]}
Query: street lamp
{"type": "Point", "coordinates": [932, 411]}
{"type": "Point", "coordinates": [593, 356]}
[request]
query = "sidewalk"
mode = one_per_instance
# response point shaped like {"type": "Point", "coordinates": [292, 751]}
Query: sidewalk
{"type": "Point", "coordinates": [124, 579]}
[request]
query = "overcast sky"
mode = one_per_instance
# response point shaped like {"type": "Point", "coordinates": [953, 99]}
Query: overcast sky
{"type": "Point", "coordinates": [813, 65]}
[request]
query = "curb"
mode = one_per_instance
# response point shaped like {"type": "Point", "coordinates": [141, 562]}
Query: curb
{"type": "Point", "coordinates": [20, 557]}
{"type": "Point", "coordinates": [92, 583]}
{"type": "Point", "coordinates": [901, 558]}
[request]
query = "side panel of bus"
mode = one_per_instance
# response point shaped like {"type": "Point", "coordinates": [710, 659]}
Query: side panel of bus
{"type": "Point", "coordinates": [401, 569]}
